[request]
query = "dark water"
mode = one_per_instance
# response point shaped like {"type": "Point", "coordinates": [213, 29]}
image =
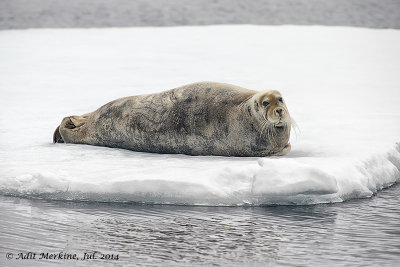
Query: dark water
{"type": "Point", "coordinates": [362, 232]}
{"type": "Point", "coordinates": [21, 14]}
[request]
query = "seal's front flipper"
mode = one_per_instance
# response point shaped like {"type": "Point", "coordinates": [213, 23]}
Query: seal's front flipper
{"type": "Point", "coordinates": [284, 151]}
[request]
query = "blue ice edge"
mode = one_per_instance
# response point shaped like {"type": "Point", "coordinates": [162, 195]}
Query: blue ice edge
{"type": "Point", "coordinates": [377, 173]}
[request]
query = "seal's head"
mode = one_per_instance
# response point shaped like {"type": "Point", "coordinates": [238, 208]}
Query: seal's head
{"type": "Point", "coordinates": [273, 117]}
{"type": "Point", "coordinates": [273, 109]}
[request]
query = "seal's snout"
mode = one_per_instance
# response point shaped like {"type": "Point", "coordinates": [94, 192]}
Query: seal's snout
{"type": "Point", "coordinates": [279, 112]}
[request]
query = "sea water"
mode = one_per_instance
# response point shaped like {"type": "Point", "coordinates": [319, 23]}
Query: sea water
{"type": "Point", "coordinates": [361, 232]}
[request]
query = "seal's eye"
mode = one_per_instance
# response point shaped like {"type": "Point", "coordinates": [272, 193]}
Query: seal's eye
{"type": "Point", "coordinates": [265, 103]}
{"type": "Point", "coordinates": [280, 100]}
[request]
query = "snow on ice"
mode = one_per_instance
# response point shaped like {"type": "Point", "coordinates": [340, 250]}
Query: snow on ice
{"type": "Point", "coordinates": [341, 85]}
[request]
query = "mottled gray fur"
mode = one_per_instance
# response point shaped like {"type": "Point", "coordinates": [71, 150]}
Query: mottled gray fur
{"type": "Point", "coordinates": [204, 118]}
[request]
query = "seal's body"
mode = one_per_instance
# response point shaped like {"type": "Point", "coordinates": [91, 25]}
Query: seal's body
{"type": "Point", "coordinates": [197, 119]}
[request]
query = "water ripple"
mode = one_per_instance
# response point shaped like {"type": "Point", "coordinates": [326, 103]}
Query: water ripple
{"type": "Point", "coordinates": [357, 232]}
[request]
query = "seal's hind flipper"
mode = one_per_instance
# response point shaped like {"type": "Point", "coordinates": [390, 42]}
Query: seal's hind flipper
{"type": "Point", "coordinates": [74, 121]}
{"type": "Point", "coordinates": [57, 138]}
{"type": "Point", "coordinates": [70, 130]}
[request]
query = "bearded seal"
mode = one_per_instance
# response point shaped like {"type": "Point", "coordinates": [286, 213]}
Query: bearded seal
{"type": "Point", "coordinates": [204, 118]}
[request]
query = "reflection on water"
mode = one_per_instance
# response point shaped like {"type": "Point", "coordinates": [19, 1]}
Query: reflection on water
{"type": "Point", "coordinates": [358, 232]}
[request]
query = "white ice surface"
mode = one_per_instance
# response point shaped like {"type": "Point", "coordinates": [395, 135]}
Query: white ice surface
{"type": "Point", "coordinates": [341, 85]}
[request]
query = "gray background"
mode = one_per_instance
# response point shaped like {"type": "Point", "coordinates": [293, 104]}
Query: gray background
{"type": "Point", "coordinates": [20, 14]}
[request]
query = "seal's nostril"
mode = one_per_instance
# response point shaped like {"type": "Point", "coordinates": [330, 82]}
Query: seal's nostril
{"type": "Point", "coordinates": [278, 111]}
